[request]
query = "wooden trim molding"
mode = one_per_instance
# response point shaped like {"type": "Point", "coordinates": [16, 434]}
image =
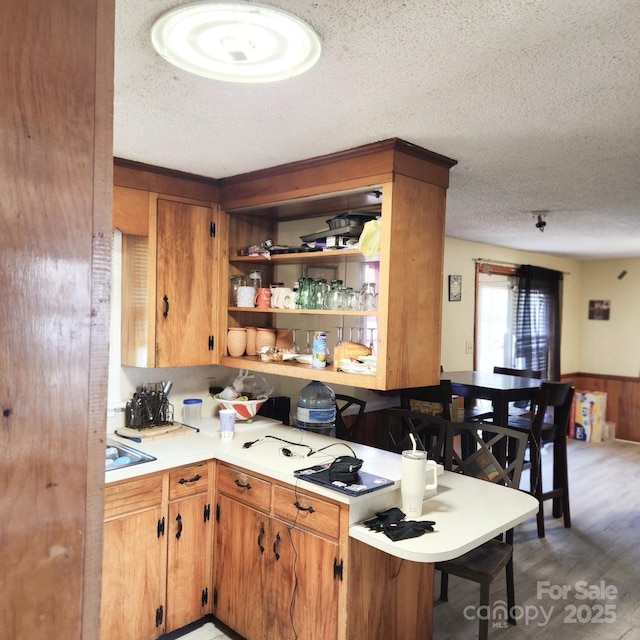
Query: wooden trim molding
{"type": "Point", "coordinates": [137, 175]}
{"type": "Point", "coordinates": [359, 168]}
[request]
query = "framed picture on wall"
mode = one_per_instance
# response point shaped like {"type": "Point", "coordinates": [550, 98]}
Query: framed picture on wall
{"type": "Point", "coordinates": [599, 309]}
{"type": "Point", "coordinates": [455, 288]}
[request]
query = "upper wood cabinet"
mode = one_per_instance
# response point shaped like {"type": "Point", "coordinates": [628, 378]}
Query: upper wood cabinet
{"type": "Point", "coordinates": [407, 186]}
{"type": "Point", "coordinates": [169, 279]}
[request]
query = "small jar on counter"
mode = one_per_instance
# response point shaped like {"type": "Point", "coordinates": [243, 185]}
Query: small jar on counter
{"type": "Point", "coordinates": [191, 409]}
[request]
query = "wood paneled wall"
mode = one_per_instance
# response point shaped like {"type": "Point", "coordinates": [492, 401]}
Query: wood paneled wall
{"type": "Point", "coordinates": [56, 65]}
{"type": "Point", "coordinates": [623, 400]}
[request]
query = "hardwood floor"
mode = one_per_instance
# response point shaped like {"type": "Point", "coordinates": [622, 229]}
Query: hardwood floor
{"type": "Point", "coordinates": [600, 552]}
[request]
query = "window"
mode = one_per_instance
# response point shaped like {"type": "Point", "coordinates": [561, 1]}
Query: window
{"type": "Point", "coordinates": [495, 317]}
{"type": "Point", "coordinates": [517, 318]}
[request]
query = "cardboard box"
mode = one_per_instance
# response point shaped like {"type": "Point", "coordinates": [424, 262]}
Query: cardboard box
{"type": "Point", "coordinates": [425, 406]}
{"type": "Point", "coordinates": [590, 415]}
{"type": "Point", "coordinates": [456, 409]}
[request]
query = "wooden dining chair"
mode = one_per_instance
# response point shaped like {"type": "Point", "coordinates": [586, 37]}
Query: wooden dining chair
{"type": "Point", "coordinates": [429, 432]}
{"type": "Point", "coordinates": [484, 563]}
{"type": "Point", "coordinates": [348, 430]}
{"type": "Point", "coordinates": [557, 397]}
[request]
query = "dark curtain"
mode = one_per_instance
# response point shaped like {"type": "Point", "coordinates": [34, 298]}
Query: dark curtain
{"type": "Point", "coordinates": [538, 320]}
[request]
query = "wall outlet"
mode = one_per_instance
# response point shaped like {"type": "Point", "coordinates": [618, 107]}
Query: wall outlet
{"type": "Point", "coordinates": [468, 347]}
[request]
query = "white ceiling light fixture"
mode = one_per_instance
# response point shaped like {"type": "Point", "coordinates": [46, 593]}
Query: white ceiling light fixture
{"type": "Point", "coordinates": [236, 41]}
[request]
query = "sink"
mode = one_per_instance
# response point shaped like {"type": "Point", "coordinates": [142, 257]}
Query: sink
{"type": "Point", "coordinates": [119, 456]}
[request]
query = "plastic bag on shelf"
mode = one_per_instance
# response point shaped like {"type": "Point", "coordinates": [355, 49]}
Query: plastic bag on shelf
{"type": "Point", "coordinates": [370, 238]}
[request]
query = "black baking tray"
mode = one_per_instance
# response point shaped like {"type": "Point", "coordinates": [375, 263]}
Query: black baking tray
{"type": "Point", "coordinates": [285, 250]}
{"type": "Point", "coordinates": [345, 232]}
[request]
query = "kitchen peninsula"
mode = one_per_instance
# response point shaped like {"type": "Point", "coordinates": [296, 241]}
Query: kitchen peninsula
{"type": "Point", "coordinates": [284, 552]}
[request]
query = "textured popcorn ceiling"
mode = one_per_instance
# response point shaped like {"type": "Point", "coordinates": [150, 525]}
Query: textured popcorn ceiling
{"type": "Point", "coordinates": [537, 100]}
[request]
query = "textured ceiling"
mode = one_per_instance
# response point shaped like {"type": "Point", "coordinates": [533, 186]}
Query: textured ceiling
{"type": "Point", "coordinates": [537, 100]}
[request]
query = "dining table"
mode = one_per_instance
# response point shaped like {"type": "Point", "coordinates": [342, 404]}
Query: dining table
{"type": "Point", "coordinates": [499, 388]}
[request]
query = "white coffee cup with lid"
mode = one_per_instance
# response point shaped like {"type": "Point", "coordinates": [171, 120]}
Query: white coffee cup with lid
{"type": "Point", "coordinates": [419, 481]}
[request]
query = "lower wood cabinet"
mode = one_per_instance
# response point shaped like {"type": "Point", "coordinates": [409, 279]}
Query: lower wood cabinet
{"type": "Point", "coordinates": [278, 573]}
{"type": "Point", "coordinates": [190, 545]}
{"type": "Point", "coordinates": [270, 560]}
{"type": "Point", "coordinates": [133, 572]}
{"type": "Point", "coordinates": [156, 572]}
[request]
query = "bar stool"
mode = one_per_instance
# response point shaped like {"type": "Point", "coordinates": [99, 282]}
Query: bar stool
{"type": "Point", "coordinates": [559, 397]}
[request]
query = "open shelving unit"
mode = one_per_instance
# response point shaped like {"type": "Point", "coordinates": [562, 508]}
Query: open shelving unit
{"type": "Point", "coordinates": [407, 185]}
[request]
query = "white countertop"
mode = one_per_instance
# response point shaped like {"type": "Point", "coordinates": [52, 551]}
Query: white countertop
{"type": "Point", "coordinates": [467, 511]}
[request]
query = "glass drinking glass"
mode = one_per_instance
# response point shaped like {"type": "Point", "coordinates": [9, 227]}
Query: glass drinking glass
{"type": "Point", "coordinates": [368, 297]}
{"type": "Point", "coordinates": [307, 347]}
{"type": "Point", "coordinates": [372, 342]}
{"type": "Point", "coordinates": [352, 299]}
{"type": "Point", "coordinates": [304, 293]}
{"type": "Point", "coordinates": [235, 282]}
{"type": "Point", "coordinates": [317, 297]}
{"type": "Point", "coordinates": [294, 348]}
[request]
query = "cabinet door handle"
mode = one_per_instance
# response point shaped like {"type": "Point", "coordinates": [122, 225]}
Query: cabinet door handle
{"type": "Point", "coordinates": [165, 313]}
{"type": "Point", "coordinates": [299, 507]}
{"type": "Point", "coordinates": [245, 485]}
{"type": "Point", "coordinates": [179, 532]}
{"type": "Point", "coordinates": [185, 481]}
{"type": "Point", "coordinates": [276, 544]}
{"type": "Point", "coordinates": [261, 537]}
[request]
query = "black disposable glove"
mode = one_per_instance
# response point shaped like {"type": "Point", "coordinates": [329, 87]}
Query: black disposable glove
{"type": "Point", "coordinates": [395, 527]}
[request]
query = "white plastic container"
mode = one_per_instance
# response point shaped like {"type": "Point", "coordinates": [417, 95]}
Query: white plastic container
{"type": "Point", "coordinates": [191, 409]}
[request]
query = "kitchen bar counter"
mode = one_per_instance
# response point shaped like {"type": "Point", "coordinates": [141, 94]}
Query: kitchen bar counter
{"type": "Point", "coordinates": [467, 511]}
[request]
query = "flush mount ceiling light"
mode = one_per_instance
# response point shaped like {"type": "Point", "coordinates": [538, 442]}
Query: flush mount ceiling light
{"type": "Point", "coordinates": [236, 41]}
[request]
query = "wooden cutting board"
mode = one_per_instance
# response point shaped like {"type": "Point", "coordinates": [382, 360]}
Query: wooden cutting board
{"type": "Point", "coordinates": [153, 433]}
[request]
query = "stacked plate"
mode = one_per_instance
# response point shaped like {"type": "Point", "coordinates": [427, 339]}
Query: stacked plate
{"type": "Point", "coordinates": [366, 365]}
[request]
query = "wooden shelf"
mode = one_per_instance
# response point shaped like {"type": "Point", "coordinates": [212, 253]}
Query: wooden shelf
{"type": "Point", "coordinates": [328, 375]}
{"type": "Point", "coordinates": [314, 312]}
{"type": "Point", "coordinates": [325, 258]}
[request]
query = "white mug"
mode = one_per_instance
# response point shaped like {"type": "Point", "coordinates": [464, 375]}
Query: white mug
{"type": "Point", "coordinates": [246, 297]}
{"type": "Point", "coordinates": [282, 298]}
{"type": "Point", "coordinates": [419, 480]}
{"type": "Point", "coordinates": [288, 300]}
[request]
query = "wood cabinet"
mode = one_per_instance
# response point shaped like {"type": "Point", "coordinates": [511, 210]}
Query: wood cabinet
{"type": "Point", "coordinates": [407, 186]}
{"type": "Point", "coordinates": [279, 566]}
{"type": "Point", "coordinates": [190, 545]}
{"type": "Point", "coordinates": [169, 278]}
{"type": "Point", "coordinates": [133, 570]}
{"type": "Point", "coordinates": [157, 553]}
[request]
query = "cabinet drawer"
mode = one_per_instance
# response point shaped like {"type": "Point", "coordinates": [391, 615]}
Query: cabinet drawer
{"type": "Point", "coordinates": [133, 495]}
{"type": "Point", "coordinates": [244, 487]}
{"type": "Point", "coordinates": [188, 480]}
{"type": "Point", "coordinates": [308, 512]}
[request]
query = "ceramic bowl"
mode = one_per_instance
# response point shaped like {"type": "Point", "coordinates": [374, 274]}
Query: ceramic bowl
{"type": "Point", "coordinates": [245, 409]}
